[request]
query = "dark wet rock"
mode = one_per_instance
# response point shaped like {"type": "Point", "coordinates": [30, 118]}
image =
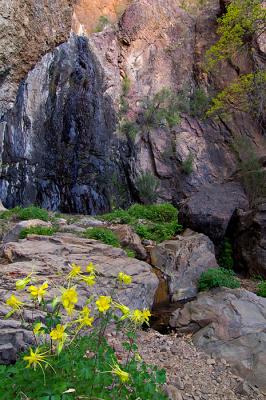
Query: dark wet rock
{"type": "Point", "coordinates": [211, 208]}
{"type": "Point", "coordinates": [250, 241]}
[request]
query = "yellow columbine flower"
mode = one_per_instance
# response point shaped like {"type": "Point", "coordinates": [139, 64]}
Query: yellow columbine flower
{"type": "Point", "coordinates": [123, 278]}
{"type": "Point", "coordinates": [122, 375]}
{"type": "Point", "coordinates": [38, 292]}
{"type": "Point", "coordinates": [75, 271]}
{"type": "Point", "coordinates": [103, 303]}
{"type": "Point", "coordinates": [124, 309]}
{"type": "Point", "coordinates": [84, 318]}
{"type": "Point", "coordinates": [35, 358]}
{"type": "Point", "coordinates": [69, 298]}
{"type": "Point", "coordinates": [58, 333]}
{"type": "Point", "coordinates": [14, 302]}
{"type": "Point", "coordinates": [85, 312]}
{"type": "Point", "coordinates": [146, 315]}
{"type": "Point", "coordinates": [22, 283]}
{"type": "Point", "coordinates": [90, 280]}
{"type": "Point", "coordinates": [38, 328]}
{"type": "Point", "coordinates": [91, 269]}
{"type": "Point", "coordinates": [139, 317]}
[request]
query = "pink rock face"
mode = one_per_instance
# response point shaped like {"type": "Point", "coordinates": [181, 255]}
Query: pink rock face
{"type": "Point", "coordinates": [87, 14]}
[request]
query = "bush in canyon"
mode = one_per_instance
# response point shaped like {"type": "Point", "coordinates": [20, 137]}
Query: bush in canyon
{"type": "Point", "coordinates": [8, 214]}
{"type": "Point", "coordinates": [147, 185]}
{"type": "Point", "coordinates": [102, 23]}
{"type": "Point", "coordinates": [33, 212]}
{"type": "Point", "coordinates": [37, 230]}
{"type": "Point", "coordinates": [261, 289]}
{"type": "Point", "coordinates": [129, 129]}
{"type": "Point", "coordinates": [226, 259]}
{"type": "Point", "coordinates": [217, 277]}
{"type": "Point", "coordinates": [104, 235]}
{"type": "Point", "coordinates": [156, 222]}
{"type": "Point", "coordinates": [187, 164]}
{"type": "Point", "coordinates": [236, 28]}
{"type": "Point", "coordinates": [71, 357]}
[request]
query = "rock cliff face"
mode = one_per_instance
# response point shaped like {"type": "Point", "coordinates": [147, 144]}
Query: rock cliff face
{"type": "Point", "coordinates": [29, 29]}
{"type": "Point", "coordinates": [61, 144]}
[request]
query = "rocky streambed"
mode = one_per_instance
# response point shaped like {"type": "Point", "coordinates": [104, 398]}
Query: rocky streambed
{"type": "Point", "coordinates": [212, 345]}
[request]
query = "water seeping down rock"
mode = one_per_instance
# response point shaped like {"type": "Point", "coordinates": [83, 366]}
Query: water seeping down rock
{"type": "Point", "coordinates": [57, 140]}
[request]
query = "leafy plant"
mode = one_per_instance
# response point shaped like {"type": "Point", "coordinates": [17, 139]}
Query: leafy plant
{"type": "Point", "coordinates": [161, 109]}
{"type": "Point", "coordinates": [156, 222]}
{"type": "Point", "coordinates": [199, 103]}
{"type": "Point", "coordinates": [242, 20]}
{"type": "Point", "coordinates": [217, 277]}
{"type": "Point", "coordinates": [226, 259]}
{"type": "Point", "coordinates": [9, 213]}
{"type": "Point", "coordinates": [104, 235]}
{"type": "Point", "coordinates": [33, 212]}
{"type": "Point", "coordinates": [130, 253]}
{"type": "Point", "coordinates": [158, 232]}
{"type": "Point", "coordinates": [72, 358]}
{"type": "Point", "coordinates": [129, 128]}
{"type": "Point", "coordinates": [102, 23]}
{"type": "Point", "coordinates": [187, 165]}
{"type": "Point", "coordinates": [147, 185]}
{"type": "Point", "coordinates": [37, 230]}
{"type": "Point", "coordinates": [261, 289]}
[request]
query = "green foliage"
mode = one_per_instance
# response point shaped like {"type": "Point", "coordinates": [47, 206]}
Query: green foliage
{"type": "Point", "coordinates": [242, 20]}
{"type": "Point", "coordinates": [158, 232]}
{"type": "Point", "coordinates": [252, 174]}
{"type": "Point", "coordinates": [37, 230]}
{"type": "Point", "coordinates": [8, 214]}
{"type": "Point", "coordinates": [154, 212]}
{"type": "Point", "coordinates": [147, 185]}
{"type": "Point", "coordinates": [162, 109]}
{"type": "Point", "coordinates": [156, 222]}
{"type": "Point", "coordinates": [74, 360]}
{"type": "Point", "coordinates": [33, 212]}
{"type": "Point", "coordinates": [126, 85]}
{"type": "Point", "coordinates": [217, 277]}
{"type": "Point", "coordinates": [261, 289]}
{"type": "Point", "coordinates": [226, 259]}
{"type": "Point", "coordinates": [245, 94]}
{"type": "Point", "coordinates": [187, 165]}
{"type": "Point", "coordinates": [102, 23]}
{"type": "Point", "coordinates": [129, 128]}
{"type": "Point", "coordinates": [130, 253]}
{"type": "Point", "coordinates": [199, 103]}
{"type": "Point", "coordinates": [104, 235]}
{"type": "Point", "coordinates": [75, 369]}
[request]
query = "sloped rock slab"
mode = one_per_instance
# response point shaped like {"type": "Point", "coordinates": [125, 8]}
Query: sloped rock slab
{"type": "Point", "coordinates": [182, 261]}
{"type": "Point", "coordinates": [48, 259]}
{"type": "Point", "coordinates": [231, 325]}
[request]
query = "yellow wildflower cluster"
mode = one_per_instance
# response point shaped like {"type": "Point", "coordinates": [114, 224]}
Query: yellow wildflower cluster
{"type": "Point", "coordinates": [64, 329]}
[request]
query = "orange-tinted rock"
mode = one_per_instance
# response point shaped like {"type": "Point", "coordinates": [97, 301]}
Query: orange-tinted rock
{"type": "Point", "coordinates": [87, 14]}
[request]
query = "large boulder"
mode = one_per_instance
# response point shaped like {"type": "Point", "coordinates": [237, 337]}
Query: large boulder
{"type": "Point", "coordinates": [211, 208]}
{"type": "Point", "coordinates": [250, 241]}
{"type": "Point", "coordinates": [231, 324]}
{"type": "Point", "coordinates": [13, 234]}
{"type": "Point", "coordinates": [128, 238]}
{"type": "Point", "coordinates": [48, 259]}
{"type": "Point", "coordinates": [182, 261]}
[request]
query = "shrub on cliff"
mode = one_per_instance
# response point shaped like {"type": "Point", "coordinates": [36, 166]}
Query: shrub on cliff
{"type": "Point", "coordinates": [37, 230]}
{"type": "Point", "coordinates": [33, 212]}
{"type": "Point", "coordinates": [147, 185]}
{"type": "Point", "coordinates": [217, 277]}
